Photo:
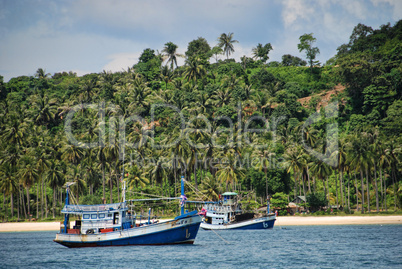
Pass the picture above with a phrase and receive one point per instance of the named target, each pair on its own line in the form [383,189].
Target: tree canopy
[331,133]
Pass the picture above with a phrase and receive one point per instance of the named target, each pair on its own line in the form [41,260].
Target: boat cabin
[94,219]
[229,198]
[223,211]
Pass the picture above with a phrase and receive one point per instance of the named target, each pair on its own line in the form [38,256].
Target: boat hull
[252,224]
[181,231]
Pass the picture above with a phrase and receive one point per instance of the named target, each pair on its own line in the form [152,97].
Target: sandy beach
[281,221]
[337,220]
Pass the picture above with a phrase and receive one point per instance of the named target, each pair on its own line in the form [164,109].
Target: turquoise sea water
[346,246]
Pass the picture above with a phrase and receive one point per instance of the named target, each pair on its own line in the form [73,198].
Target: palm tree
[203,104]
[178,151]
[263,101]
[261,51]
[88,89]
[14,132]
[41,73]
[136,177]
[74,175]
[170,52]
[72,153]
[265,156]
[222,97]
[28,176]
[210,187]
[43,108]
[157,170]
[8,184]
[166,75]
[340,155]
[394,151]
[194,69]
[55,178]
[358,158]
[42,163]
[322,170]
[101,158]
[293,162]
[139,98]
[226,42]
[92,174]
[384,161]
[216,51]
[374,147]
[229,170]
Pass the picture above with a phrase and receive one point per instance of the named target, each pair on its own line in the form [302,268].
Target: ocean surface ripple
[340,246]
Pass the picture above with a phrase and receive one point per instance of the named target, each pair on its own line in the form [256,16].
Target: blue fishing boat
[227,214]
[115,225]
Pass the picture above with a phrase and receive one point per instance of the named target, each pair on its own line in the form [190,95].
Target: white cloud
[396,7]
[358,9]
[119,62]
[91,36]
[294,10]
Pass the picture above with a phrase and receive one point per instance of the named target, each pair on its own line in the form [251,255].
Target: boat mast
[182,196]
[66,216]
[123,181]
[268,204]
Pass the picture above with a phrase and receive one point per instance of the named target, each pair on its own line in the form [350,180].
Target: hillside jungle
[330,132]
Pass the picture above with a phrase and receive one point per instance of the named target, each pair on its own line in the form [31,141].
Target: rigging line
[146,194]
[154,199]
[220,237]
[73,200]
[196,191]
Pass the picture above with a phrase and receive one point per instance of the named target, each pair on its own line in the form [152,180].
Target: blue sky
[89,36]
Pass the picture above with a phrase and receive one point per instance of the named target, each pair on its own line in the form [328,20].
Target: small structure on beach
[297,205]
[299,200]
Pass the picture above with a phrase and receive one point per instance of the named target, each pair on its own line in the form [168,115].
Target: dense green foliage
[224,125]
[316,201]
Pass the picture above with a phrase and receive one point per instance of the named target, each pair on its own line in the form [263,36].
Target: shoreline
[281,221]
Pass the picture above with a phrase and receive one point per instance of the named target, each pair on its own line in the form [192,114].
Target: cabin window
[102,215]
[85,216]
[94,216]
[116,218]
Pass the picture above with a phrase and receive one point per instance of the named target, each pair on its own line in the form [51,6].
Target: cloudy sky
[87,36]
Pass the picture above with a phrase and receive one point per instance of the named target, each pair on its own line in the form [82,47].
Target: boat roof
[229,193]
[77,209]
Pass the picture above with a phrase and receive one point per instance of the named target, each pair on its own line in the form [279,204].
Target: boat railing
[219,208]
[98,224]
[91,208]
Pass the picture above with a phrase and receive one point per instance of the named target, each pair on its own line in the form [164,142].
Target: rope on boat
[196,192]
[153,199]
[147,194]
[221,237]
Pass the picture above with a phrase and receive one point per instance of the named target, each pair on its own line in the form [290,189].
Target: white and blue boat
[227,214]
[113,225]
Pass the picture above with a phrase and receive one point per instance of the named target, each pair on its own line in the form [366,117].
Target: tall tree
[55,178]
[194,69]
[28,175]
[226,42]
[261,52]
[170,52]
[8,184]
[306,44]
[198,47]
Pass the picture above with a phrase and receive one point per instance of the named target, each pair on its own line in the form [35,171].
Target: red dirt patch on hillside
[325,97]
